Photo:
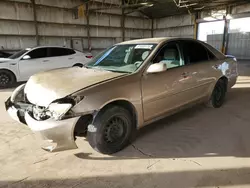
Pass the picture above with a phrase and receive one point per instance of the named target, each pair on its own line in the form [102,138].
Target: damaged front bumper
[57,134]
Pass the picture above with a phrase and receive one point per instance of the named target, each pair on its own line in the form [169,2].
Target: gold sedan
[124,88]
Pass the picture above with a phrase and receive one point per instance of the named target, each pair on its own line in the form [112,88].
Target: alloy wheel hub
[4,79]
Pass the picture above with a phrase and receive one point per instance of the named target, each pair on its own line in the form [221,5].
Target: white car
[23,64]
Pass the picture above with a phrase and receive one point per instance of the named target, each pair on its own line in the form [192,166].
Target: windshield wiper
[103,69]
[118,71]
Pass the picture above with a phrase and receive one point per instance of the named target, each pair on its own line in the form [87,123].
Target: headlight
[59,110]
[18,94]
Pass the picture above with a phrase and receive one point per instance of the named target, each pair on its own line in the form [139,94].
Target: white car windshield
[18,54]
[122,58]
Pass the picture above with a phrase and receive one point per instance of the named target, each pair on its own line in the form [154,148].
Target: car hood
[45,87]
[4,59]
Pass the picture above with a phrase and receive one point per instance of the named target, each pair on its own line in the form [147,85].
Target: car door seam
[166,94]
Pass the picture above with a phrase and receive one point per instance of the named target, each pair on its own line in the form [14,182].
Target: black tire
[78,65]
[218,95]
[112,130]
[7,78]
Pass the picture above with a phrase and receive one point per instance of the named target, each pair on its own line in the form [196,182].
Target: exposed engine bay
[58,109]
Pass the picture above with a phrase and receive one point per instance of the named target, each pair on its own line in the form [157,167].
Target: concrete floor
[200,147]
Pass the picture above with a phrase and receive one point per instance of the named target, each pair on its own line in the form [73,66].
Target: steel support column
[123,21]
[87,26]
[35,21]
[225,32]
[152,27]
[195,17]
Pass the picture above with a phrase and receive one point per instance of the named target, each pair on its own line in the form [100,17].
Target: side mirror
[157,67]
[26,57]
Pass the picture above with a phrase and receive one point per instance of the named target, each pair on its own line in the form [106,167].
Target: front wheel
[111,130]
[218,96]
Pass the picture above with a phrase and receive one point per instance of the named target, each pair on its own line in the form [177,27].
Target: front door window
[170,56]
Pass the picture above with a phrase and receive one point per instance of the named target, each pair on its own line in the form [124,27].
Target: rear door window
[194,52]
[54,52]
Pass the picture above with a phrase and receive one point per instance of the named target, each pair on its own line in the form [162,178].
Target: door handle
[216,66]
[194,73]
[70,58]
[45,60]
[185,74]
[13,64]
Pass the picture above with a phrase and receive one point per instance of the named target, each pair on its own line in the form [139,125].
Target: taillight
[89,56]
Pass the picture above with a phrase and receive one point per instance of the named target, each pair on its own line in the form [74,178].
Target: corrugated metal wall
[16,25]
[137,28]
[238,43]
[212,33]
[57,25]
[239,33]
[174,26]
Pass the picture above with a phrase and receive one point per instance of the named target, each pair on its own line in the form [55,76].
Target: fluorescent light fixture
[145,3]
[209,19]
[148,4]
[229,17]
[199,8]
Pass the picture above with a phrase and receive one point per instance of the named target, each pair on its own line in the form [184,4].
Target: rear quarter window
[70,51]
[214,51]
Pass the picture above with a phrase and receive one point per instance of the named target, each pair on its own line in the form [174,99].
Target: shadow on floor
[195,132]
[199,178]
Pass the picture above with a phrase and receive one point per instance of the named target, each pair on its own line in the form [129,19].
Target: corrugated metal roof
[163,8]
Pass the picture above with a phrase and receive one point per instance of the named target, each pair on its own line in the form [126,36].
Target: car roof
[157,40]
[36,47]
[148,40]
[51,47]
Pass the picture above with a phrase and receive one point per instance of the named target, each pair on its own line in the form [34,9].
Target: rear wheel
[7,78]
[218,95]
[111,130]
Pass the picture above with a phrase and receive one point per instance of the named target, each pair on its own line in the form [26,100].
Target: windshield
[18,54]
[122,58]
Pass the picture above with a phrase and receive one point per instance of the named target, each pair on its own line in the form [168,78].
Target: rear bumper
[232,81]
[57,135]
